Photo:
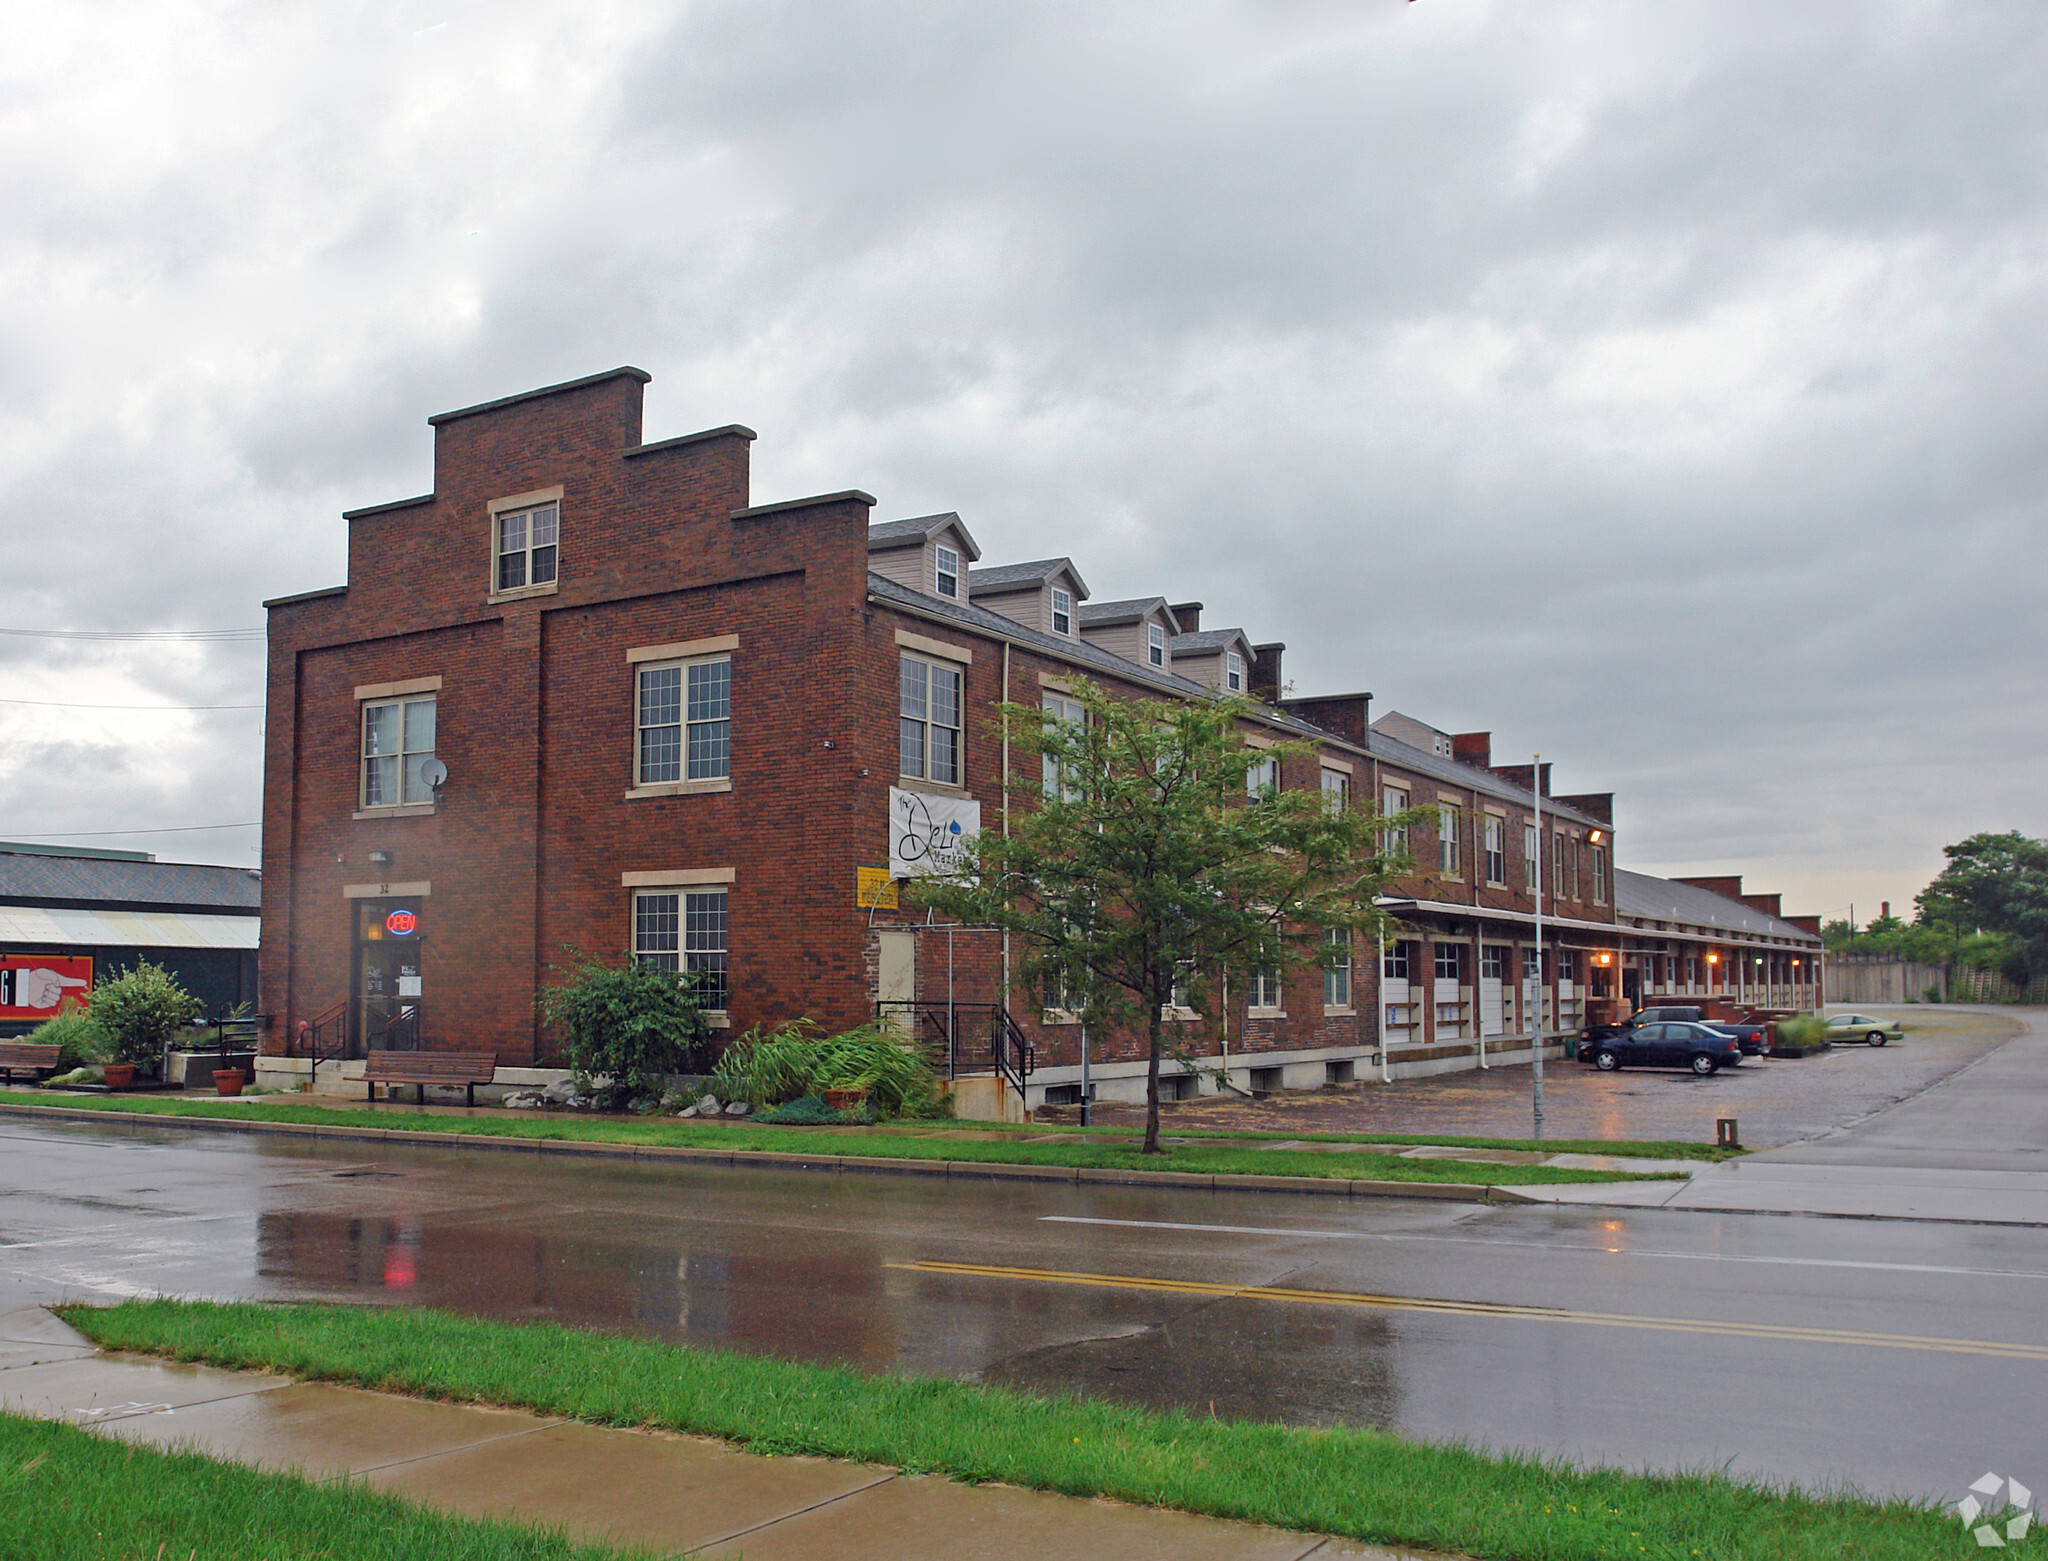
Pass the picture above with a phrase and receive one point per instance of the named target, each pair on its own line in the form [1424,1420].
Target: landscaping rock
[687,1111]
[525,1100]
[559,1094]
[707,1105]
[737,1108]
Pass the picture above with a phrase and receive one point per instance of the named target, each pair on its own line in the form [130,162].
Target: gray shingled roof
[1039,570]
[903,533]
[95,880]
[1456,772]
[1638,896]
[1208,639]
[1128,610]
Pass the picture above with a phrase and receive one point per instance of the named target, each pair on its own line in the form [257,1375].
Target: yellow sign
[874,889]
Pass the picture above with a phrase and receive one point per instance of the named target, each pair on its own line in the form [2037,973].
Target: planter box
[1802,1051]
[194,1070]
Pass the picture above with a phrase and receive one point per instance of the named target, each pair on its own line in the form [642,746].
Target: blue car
[1667,1044]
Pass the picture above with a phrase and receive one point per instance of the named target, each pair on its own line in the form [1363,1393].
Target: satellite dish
[434,773]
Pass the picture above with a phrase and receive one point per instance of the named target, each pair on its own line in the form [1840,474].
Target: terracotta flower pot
[119,1075]
[228,1081]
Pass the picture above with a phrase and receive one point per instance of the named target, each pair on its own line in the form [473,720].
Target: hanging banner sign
[35,986]
[927,833]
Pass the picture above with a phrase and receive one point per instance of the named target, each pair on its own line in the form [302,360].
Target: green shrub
[1803,1030]
[633,1024]
[791,1063]
[141,1010]
[80,1039]
[808,1111]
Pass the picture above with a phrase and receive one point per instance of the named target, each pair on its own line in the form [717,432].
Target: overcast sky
[1658,385]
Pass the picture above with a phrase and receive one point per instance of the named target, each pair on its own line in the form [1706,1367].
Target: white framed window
[1060,782]
[1449,963]
[1395,961]
[526,546]
[1180,998]
[1336,791]
[1337,969]
[1571,862]
[1496,849]
[1447,839]
[1531,971]
[686,930]
[1393,841]
[1155,645]
[398,740]
[929,728]
[683,721]
[946,572]
[1599,875]
[1062,612]
[1530,859]
[1557,865]
[1265,991]
[1493,961]
[1262,779]
[1233,672]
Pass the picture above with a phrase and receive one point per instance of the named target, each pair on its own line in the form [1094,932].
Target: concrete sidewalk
[1763,1186]
[682,1494]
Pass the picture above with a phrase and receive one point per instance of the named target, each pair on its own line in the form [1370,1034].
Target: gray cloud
[1655,385]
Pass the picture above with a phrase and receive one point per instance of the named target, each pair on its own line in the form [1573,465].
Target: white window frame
[410,790]
[1336,791]
[934,669]
[1397,960]
[1449,848]
[1233,672]
[1496,835]
[536,572]
[713,772]
[1495,954]
[1155,645]
[705,947]
[1063,613]
[1262,776]
[1394,839]
[945,567]
[1531,845]
[1263,994]
[1599,871]
[1337,972]
[1066,710]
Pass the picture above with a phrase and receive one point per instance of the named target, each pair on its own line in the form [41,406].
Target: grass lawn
[1361,1483]
[70,1495]
[1232,1155]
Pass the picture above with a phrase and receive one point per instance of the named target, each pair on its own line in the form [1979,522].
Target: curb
[784,1160]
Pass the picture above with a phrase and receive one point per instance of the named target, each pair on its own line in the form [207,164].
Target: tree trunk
[1152,1084]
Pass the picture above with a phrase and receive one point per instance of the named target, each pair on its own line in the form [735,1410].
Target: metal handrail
[944,1026]
[309,1030]
[406,1019]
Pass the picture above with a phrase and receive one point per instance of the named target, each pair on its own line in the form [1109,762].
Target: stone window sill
[398,810]
[521,593]
[695,788]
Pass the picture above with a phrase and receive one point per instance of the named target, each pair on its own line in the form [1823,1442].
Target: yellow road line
[1403,1303]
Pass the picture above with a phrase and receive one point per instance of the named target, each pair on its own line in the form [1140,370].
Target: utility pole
[1536,1056]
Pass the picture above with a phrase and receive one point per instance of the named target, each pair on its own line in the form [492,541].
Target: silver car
[1863,1027]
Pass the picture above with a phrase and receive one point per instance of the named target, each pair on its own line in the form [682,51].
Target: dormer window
[947,572]
[1062,612]
[1155,645]
[1233,672]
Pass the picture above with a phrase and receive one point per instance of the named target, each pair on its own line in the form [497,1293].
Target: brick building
[585,695]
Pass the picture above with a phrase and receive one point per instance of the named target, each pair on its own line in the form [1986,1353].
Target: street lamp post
[1536,1055]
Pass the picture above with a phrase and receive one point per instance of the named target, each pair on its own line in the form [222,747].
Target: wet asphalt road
[1687,1339]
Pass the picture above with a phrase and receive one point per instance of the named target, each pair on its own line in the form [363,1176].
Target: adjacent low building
[70,916]
[587,697]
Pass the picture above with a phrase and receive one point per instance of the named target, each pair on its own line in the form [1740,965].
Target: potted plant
[228,1081]
[141,1010]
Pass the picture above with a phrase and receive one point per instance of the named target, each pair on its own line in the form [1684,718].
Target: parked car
[1863,1027]
[1665,1044]
[1749,1032]
[1679,1013]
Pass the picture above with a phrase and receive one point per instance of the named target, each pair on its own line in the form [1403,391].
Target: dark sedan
[1670,1045]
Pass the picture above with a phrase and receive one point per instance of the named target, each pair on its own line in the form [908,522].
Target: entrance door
[896,979]
[386,1011]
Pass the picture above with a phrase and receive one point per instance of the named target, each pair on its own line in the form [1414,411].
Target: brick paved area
[1776,1102]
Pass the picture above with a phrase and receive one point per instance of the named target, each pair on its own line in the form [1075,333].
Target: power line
[65,704]
[175,829]
[138,634]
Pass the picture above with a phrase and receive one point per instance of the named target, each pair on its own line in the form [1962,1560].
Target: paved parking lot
[1776,1101]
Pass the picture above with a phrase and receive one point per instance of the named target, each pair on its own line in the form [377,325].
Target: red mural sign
[35,986]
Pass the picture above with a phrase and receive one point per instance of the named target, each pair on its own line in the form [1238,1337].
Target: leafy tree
[140,1010]
[1998,883]
[1140,873]
[633,1023]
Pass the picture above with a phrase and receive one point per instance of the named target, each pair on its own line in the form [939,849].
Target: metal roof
[85,879]
[901,533]
[1639,897]
[21,924]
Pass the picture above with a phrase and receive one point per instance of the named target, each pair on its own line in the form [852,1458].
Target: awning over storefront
[1606,929]
[28,924]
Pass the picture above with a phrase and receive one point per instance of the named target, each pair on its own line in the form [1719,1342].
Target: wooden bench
[21,1057]
[420,1069]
